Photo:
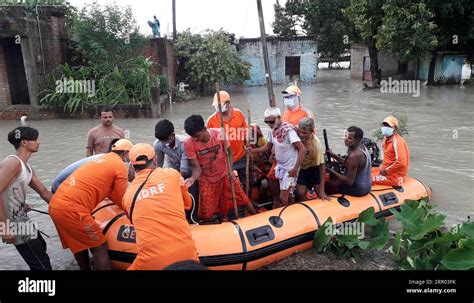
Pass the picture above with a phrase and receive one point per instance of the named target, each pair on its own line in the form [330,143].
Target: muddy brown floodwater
[441,141]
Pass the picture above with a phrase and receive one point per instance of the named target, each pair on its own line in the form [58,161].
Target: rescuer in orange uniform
[71,206]
[155,203]
[396,159]
[236,131]
[294,110]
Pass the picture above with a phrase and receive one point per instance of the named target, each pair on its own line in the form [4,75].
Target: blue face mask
[387,131]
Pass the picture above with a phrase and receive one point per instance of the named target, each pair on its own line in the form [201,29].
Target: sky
[236,16]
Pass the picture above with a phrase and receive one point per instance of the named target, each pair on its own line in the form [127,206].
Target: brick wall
[41,56]
[54,37]
[15,72]
[50,49]
[14,112]
[161,52]
[172,69]
[4,86]
[152,51]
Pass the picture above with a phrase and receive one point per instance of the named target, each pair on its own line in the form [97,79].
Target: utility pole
[174,20]
[268,74]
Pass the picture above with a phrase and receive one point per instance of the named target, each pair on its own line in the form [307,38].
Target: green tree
[284,25]
[321,19]
[455,29]
[211,59]
[187,44]
[107,48]
[367,16]
[106,34]
[324,19]
[406,32]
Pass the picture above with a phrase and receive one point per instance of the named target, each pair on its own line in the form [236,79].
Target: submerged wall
[32,44]
[250,50]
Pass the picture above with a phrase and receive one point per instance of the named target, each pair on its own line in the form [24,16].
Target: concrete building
[448,68]
[290,60]
[360,65]
[32,44]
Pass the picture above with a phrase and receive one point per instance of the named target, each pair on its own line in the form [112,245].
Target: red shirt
[210,155]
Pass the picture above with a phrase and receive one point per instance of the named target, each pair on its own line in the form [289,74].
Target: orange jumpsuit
[236,130]
[71,206]
[396,162]
[163,234]
[294,117]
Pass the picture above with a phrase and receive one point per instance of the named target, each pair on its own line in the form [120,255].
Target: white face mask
[225,107]
[291,102]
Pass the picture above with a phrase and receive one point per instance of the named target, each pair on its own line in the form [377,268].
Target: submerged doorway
[292,68]
[15,71]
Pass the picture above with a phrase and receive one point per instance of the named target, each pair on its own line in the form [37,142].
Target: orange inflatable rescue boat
[261,239]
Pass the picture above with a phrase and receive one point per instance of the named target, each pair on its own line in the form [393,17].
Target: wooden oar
[326,143]
[226,150]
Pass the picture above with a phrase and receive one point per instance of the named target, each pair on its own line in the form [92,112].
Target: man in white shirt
[289,153]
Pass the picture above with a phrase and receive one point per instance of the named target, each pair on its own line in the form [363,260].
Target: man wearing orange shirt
[236,129]
[294,111]
[72,204]
[396,158]
[155,203]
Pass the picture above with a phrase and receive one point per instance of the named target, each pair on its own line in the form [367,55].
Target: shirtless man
[356,180]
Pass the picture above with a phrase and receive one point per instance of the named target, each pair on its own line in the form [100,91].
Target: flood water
[441,140]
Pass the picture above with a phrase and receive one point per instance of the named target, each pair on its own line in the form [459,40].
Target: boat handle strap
[136,196]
